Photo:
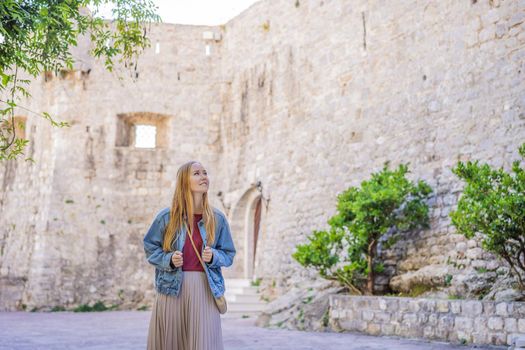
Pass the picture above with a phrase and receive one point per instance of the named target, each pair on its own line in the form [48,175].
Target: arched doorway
[246,225]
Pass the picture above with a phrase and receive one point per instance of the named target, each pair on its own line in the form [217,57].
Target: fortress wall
[307,97]
[324,92]
[81,241]
[24,202]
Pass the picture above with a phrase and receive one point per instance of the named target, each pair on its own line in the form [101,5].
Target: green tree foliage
[387,203]
[36,36]
[493,205]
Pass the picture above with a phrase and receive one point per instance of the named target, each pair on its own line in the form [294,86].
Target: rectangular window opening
[145,136]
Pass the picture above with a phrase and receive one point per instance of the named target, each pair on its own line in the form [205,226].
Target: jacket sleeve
[153,245]
[224,250]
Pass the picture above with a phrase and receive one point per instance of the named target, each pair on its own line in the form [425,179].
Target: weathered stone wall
[323,92]
[72,223]
[307,97]
[26,189]
[458,321]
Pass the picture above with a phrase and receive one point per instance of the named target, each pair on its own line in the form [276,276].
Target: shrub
[493,205]
[387,203]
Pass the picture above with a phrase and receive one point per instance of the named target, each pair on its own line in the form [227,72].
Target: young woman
[184,315]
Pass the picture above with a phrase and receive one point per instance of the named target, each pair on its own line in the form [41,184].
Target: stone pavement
[128,330]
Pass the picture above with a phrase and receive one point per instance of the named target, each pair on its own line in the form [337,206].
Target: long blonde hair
[182,209]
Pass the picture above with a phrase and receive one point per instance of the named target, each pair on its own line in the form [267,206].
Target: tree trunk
[371,276]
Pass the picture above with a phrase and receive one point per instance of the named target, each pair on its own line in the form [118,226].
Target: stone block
[495,323]
[489,308]
[442,306]
[373,329]
[429,332]
[413,305]
[373,304]
[455,307]
[403,304]
[427,305]
[392,304]
[368,315]
[501,309]
[479,337]
[521,325]
[433,319]
[518,310]
[463,323]
[410,318]
[442,332]
[382,317]
[511,325]
[388,329]
[422,318]
[446,322]
[360,303]
[480,324]
[497,338]
[472,308]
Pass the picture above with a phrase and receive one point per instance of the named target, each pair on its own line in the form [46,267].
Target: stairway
[243,299]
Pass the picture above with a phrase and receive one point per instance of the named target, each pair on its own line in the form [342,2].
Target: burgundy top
[190,262]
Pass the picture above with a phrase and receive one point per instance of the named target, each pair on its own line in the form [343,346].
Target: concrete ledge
[456,321]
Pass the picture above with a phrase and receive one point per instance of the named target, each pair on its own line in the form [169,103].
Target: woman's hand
[207,254]
[177,258]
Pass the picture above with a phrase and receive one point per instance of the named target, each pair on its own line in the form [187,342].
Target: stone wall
[305,98]
[72,223]
[457,321]
[322,93]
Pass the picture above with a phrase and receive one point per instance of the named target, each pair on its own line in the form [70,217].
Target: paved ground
[128,330]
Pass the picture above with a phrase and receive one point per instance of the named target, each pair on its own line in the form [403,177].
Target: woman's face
[199,181]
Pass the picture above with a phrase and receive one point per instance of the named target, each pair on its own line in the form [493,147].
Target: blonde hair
[182,209]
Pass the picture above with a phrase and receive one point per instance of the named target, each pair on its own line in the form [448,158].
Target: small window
[145,136]
[141,130]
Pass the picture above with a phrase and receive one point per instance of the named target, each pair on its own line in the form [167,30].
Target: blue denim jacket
[167,279]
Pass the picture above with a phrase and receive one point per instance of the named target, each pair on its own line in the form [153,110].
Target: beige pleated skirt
[190,321]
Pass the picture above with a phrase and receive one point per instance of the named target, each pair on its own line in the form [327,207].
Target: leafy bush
[387,203]
[493,205]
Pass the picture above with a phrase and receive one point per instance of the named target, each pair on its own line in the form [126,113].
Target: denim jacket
[168,280]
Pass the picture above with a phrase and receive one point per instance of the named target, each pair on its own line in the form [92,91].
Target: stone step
[236,282]
[244,298]
[242,290]
[245,307]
